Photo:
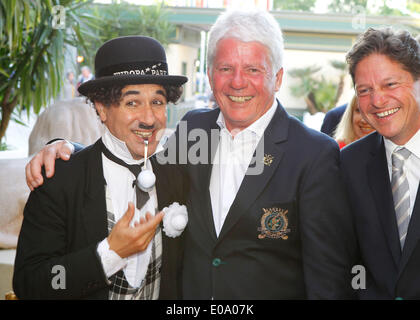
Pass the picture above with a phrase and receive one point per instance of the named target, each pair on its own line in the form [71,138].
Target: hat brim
[108,81]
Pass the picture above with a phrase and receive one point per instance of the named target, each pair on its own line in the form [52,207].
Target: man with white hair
[285,232]
[268,215]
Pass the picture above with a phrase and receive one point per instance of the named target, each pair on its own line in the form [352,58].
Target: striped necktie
[401,192]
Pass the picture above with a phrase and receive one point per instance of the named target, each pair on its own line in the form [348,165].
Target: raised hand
[126,240]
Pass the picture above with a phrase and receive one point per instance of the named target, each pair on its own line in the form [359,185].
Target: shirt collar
[413,145]
[258,127]
[120,150]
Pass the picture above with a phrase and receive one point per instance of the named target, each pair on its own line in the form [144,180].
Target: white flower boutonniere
[175,219]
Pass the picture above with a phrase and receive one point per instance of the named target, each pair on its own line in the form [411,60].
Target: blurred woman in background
[352,126]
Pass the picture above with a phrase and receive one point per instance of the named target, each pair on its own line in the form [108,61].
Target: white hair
[248,26]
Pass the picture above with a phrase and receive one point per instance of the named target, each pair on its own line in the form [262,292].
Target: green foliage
[325,93]
[16,117]
[3,146]
[124,19]
[413,6]
[346,6]
[295,5]
[380,7]
[319,93]
[32,53]
[338,64]
[32,50]
[385,10]
[307,81]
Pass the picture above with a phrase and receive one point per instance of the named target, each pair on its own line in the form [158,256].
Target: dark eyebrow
[130,92]
[135,92]
[161,92]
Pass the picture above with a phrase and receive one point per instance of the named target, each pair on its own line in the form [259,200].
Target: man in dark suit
[78,239]
[382,169]
[331,119]
[268,215]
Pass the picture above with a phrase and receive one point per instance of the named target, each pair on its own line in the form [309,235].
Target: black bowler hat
[130,60]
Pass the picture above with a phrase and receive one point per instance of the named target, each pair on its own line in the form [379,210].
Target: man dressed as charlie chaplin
[92,221]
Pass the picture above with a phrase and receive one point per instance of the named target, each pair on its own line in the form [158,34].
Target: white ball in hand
[179,222]
[146,180]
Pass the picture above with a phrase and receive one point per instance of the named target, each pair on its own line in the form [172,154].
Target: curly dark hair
[398,45]
[112,95]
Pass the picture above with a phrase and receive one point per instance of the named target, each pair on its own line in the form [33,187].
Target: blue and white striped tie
[401,192]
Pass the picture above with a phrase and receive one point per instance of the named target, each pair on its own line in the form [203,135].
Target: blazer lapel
[162,194]
[205,170]
[378,179]
[413,234]
[253,184]
[94,207]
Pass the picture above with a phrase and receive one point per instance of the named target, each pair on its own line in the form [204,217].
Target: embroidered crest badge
[274,224]
[268,159]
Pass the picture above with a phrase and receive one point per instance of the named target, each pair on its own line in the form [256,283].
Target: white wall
[176,54]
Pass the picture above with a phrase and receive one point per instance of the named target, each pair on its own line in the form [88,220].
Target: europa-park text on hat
[131,60]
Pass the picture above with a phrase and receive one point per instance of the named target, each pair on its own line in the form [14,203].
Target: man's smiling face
[388,97]
[242,81]
[139,115]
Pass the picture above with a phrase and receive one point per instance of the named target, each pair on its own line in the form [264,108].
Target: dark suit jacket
[390,272]
[331,119]
[315,259]
[65,219]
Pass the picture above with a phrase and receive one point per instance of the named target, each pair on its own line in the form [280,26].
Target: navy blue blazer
[390,272]
[264,252]
[332,118]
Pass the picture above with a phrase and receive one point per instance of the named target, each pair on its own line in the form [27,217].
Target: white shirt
[119,183]
[231,161]
[411,165]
